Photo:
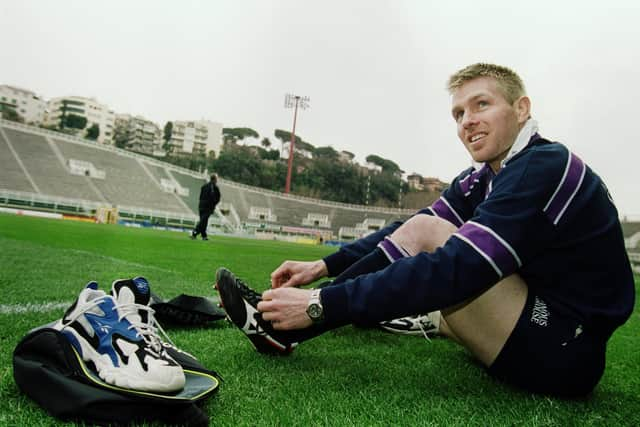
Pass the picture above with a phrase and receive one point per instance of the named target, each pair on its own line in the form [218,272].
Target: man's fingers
[280,277]
[265,306]
[269,316]
[267,295]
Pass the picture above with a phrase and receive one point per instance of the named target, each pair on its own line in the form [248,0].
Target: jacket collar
[528,133]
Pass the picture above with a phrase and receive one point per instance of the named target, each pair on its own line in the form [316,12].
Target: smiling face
[487,123]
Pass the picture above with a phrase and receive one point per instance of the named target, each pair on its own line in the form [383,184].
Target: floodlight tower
[293,101]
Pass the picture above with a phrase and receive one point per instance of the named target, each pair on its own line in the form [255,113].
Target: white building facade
[89,108]
[195,137]
[138,134]
[24,102]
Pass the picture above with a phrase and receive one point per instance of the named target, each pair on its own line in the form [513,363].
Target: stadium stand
[36,154]
[127,181]
[12,176]
[258,213]
[39,175]
[316,220]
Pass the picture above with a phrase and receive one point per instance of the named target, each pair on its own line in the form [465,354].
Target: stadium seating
[12,177]
[127,182]
[314,219]
[37,154]
[147,188]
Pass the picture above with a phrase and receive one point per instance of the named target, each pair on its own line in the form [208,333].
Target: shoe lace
[423,323]
[254,298]
[150,330]
[251,295]
[87,307]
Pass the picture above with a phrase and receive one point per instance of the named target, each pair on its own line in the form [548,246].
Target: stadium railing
[79,207]
[21,199]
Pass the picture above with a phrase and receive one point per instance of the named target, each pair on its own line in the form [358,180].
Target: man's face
[487,124]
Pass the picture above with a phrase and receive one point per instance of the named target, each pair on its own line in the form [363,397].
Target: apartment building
[24,102]
[195,137]
[136,133]
[420,183]
[89,108]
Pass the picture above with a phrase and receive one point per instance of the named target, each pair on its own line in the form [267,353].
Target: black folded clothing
[186,310]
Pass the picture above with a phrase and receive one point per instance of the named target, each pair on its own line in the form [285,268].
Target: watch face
[314,311]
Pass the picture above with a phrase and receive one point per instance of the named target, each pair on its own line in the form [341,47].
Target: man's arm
[451,206]
[507,231]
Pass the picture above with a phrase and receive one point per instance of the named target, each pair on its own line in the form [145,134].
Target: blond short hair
[509,83]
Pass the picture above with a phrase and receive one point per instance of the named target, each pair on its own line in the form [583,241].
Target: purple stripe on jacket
[470,180]
[390,249]
[441,209]
[566,190]
[491,247]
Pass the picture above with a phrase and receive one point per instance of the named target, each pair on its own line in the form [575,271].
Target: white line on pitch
[32,308]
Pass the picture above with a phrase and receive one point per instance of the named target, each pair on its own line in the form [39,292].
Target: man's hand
[286,308]
[298,273]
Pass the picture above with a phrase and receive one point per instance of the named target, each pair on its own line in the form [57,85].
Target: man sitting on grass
[523,255]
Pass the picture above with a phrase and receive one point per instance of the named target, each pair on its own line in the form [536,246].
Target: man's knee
[423,233]
[484,323]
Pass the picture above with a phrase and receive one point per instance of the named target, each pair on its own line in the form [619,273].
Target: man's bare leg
[481,324]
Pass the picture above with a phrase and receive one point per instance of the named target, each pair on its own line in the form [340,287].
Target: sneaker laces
[148,330]
[421,324]
[251,295]
[85,308]
[254,298]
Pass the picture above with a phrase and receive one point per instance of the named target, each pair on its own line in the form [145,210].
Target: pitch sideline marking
[33,307]
[110,258]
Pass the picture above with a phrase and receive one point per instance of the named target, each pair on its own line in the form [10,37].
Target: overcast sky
[375,70]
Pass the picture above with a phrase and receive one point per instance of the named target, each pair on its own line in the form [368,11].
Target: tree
[285,137]
[385,189]
[120,142]
[268,154]
[74,121]
[239,164]
[63,114]
[386,165]
[238,134]
[349,154]
[168,130]
[93,132]
[11,114]
[326,152]
[265,143]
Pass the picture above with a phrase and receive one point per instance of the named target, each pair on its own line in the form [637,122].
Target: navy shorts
[550,353]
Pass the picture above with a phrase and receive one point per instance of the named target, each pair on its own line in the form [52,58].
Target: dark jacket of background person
[209,197]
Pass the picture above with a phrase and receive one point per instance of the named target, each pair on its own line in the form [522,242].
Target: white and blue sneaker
[118,334]
[425,325]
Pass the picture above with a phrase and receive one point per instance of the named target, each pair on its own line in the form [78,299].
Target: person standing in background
[209,198]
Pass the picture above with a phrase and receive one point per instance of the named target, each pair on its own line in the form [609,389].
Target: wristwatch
[314,308]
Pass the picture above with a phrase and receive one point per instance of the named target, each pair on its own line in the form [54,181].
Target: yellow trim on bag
[91,375]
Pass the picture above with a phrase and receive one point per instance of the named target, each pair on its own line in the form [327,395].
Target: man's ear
[523,108]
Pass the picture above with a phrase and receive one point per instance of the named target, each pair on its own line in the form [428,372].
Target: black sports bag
[49,370]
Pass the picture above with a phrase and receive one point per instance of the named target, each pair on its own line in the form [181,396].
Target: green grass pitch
[349,376]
